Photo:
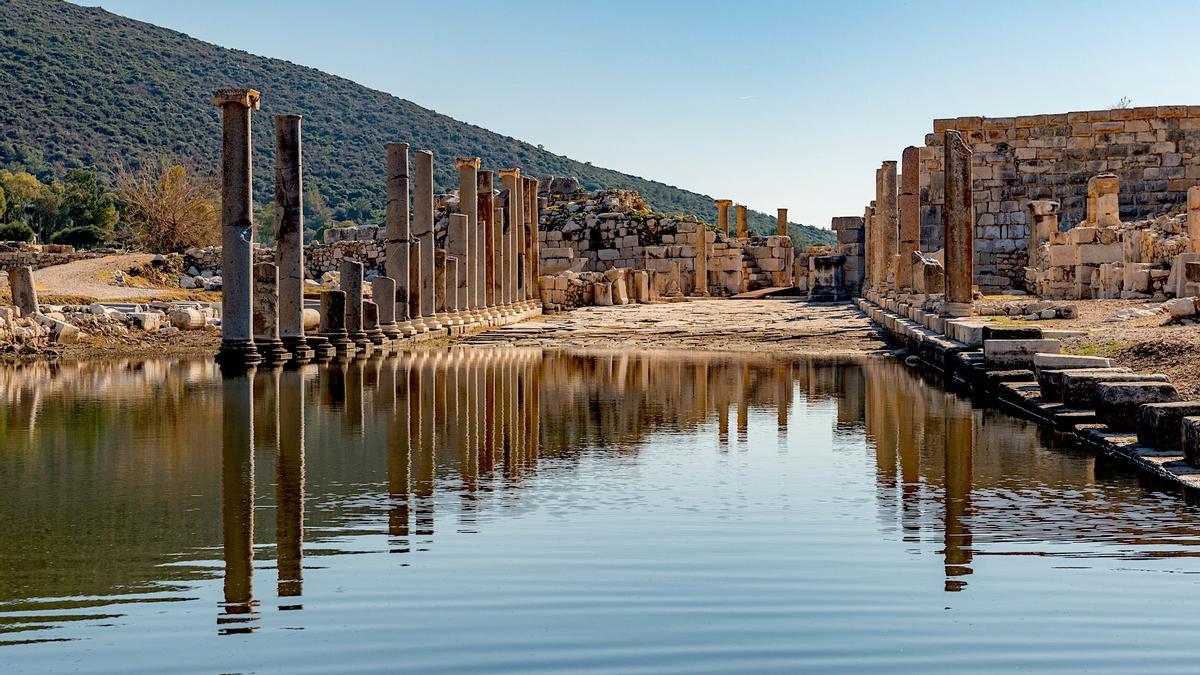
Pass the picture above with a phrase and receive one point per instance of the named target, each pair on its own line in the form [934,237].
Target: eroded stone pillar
[458,246]
[237,227]
[1193,219]
[422,231]
[24,295]
[743,228]
[1045,223]
[885,211]
[723,215]
[488,230]
[700,264]
[530,191]
[289,237]
[266,314]
[910,217]
[468,205]
[870,242]
[398,240]
[352,284]
[333,322]
[1104,208]
[958,223]
[510,195]
[781,221]
[522,264]
[501,254]
[383,289]
[370,320]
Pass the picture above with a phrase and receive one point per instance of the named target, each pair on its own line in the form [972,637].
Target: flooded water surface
[520,510]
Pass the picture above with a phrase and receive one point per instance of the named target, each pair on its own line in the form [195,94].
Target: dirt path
[737,325]
[83,278]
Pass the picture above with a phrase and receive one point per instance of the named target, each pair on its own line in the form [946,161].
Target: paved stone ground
[727,325]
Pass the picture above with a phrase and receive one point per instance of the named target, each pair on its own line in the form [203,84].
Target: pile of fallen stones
[1035,310]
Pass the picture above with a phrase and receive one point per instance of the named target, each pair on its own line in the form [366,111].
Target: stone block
[1160,425]
[1096,254]
[603,293]
[147,321]
[1191,440]
[1117,403]
[1009,353]
[1079,387]
[1067,362]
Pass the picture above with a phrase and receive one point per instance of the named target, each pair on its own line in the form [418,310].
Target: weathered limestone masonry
[723,215]
[1153,151]
[743,229]
[38,256]
[1135,418]
[851,246]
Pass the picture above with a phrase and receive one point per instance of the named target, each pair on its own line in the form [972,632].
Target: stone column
[383,289]
[352,284]
[885,211]
[958,223]
[289,237]
[24,295]
[458,245]
[1104,208]
[869,244]
[468,204]
[333,322]
[397,239]
[723,215]
[422,231]
[266,314]
[488,229]
[781,222]
[1193,219]
[498,217]
[237,227]
[530,190]
[512,207]
[743,228]
[370,320]
[522,265]
[910,217]
[1045,223]
[700,264]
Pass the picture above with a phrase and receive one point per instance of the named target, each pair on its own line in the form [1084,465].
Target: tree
[21,189]
[170,208]
[87,213]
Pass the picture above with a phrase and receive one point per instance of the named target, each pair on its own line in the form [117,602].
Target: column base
[300,350]
[341,343]
[958,309]
[362,341]
[431,323]
[322,349]
[377,337]
[272,350]
[235,354]
[391,331]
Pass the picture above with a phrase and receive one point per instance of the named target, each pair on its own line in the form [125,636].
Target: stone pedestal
[1045,223]
[825,271]
[909,205]
[237,228]
[333,322]
[397,238]
[289,237]
[371,324]
[743,227]
[383,289]
[723,216]
[266,315]
[24,295]
[1104,208]
[422,232]
[958,222]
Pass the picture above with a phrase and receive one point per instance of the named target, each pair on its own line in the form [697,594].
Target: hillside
[87,88]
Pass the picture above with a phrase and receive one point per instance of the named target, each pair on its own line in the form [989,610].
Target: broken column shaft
[289,238]
[422,231]
[266,314]
[958,223]
[398,239]
[910,217]
[723,215]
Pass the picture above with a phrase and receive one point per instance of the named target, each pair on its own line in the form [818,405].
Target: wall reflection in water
[99,454]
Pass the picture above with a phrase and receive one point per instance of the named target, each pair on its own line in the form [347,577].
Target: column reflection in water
[424,465]
[289,485]
[238,614]
[960,450]
[394,389]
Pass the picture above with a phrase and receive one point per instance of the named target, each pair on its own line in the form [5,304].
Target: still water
[520,510]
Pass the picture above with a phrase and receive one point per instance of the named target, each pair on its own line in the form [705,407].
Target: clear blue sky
[769,103]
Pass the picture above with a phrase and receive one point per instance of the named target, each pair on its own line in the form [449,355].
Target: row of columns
[893,226]
[485,276]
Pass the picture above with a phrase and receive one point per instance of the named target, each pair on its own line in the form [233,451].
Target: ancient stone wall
[39,256]
[1155,151]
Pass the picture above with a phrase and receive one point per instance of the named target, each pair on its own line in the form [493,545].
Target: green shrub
[15,232]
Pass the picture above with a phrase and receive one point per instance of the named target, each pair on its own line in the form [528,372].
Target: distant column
[289,237]
[530,192]
[1193,219]
[958,223]
[512,208]
[352,284]
[869,244]
[885,210]
[397,238]
[743,228]
[468,205]
[237,227]
[458,245]
[383,289]
[700,265]
[522,264]
[781,222]
[501,254]
[489,230]
[910,217]
[723,215]
[422,231]
[266,314]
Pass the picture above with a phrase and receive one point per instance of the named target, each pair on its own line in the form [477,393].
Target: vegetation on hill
[85,88]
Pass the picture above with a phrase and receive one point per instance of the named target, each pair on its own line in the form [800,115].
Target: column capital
[723,202]
[467,162]
[249,98]
[510,173]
